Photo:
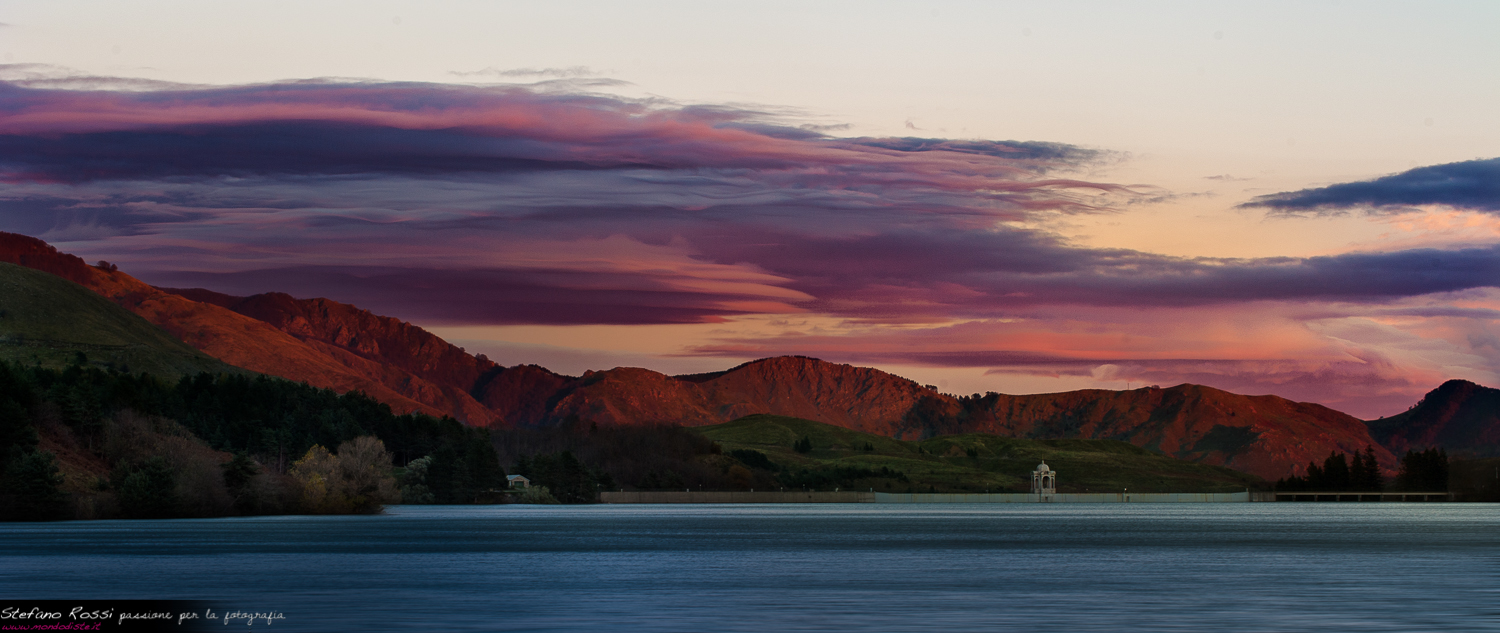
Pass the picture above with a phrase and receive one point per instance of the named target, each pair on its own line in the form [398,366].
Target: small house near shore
[517,481]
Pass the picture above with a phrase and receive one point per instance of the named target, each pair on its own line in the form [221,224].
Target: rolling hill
[973,462]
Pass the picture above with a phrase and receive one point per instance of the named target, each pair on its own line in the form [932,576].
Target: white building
[1043,480]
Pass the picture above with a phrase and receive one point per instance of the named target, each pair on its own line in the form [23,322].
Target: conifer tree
[1359,475]
[1374,481]
[1336,472]
[31,483]
[1315,479]
[149,491]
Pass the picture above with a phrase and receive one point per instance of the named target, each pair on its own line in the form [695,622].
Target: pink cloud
[465,205]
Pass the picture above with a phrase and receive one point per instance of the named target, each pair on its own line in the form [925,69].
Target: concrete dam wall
[887,497]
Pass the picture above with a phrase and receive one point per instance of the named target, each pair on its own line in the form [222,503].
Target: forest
[224,445]
[218,445]
[1421,471]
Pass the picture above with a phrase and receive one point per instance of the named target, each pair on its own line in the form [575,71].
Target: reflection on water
[1229,567]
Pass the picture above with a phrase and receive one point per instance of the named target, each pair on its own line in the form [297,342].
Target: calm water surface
[1065,567]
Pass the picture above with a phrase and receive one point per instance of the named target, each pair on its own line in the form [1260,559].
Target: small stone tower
[1043,480]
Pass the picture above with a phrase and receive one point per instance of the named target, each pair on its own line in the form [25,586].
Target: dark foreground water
[1076,567]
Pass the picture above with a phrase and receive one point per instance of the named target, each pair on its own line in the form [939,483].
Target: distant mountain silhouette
[1459,416]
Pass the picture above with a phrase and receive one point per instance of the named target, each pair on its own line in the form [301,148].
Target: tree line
[579,457]
[155,436]
[1420,471]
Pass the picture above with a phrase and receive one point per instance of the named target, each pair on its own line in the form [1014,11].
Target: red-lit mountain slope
[399,355]
[237,339]
[853,397]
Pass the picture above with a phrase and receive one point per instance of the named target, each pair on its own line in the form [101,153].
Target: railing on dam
[662,496]
[885,497]
[1011,497]
[1364,496]
[1114,497]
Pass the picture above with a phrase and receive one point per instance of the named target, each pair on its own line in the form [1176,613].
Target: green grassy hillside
[48,320]
[960,463]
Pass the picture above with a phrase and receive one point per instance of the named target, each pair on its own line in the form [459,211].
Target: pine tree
[1336,471]
[1358,472]
[149,491]
[1374,481]
[238,473]
[1426,471]
[32,482]
[1315,479]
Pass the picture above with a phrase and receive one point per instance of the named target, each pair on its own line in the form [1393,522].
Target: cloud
[310,176]
[563,73]
[550,205]
[497,296]
[1473,185]
[462,183]
[328,128]
[900,275]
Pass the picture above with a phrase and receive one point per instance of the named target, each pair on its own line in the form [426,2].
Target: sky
[1300,198]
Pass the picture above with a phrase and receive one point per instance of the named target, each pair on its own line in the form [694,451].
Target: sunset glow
[1281,233]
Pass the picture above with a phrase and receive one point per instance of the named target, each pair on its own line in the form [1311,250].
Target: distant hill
[1459,416]
[972,462]
[859,398]
[48,320]
[1265,435]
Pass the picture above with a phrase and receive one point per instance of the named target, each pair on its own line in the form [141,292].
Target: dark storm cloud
[976,274]
[437,296]
[327,128]
[1473,185]
[518,205]
[1053,153]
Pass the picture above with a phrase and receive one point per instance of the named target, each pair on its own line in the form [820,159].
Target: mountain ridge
[339,346]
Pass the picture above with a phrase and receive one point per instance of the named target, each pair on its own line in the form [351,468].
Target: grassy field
[48,320]
[849,459]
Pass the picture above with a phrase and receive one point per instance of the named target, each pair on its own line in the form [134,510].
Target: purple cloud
[463,204]
[1473,185]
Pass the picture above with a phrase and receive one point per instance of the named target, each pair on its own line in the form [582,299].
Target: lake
[800,567]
